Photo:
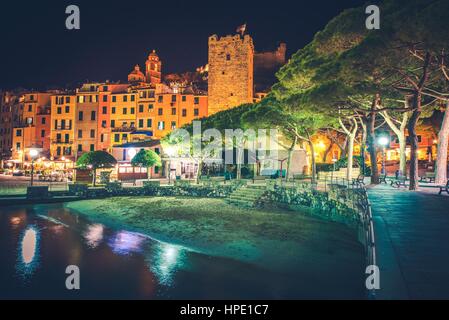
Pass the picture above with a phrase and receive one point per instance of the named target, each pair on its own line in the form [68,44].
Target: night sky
[38,52]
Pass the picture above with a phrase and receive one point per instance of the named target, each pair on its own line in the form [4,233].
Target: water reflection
[94,235]
[28,251]
[125,243]
[165,261]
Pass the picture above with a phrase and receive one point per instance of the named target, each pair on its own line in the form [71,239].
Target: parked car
[18,173]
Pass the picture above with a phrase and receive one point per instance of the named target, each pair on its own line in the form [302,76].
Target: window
[125,137]
[93,116]
[156,170]
[30,108]
[141,108]
[43,120]
[114,98]
[92,133]
[80,116]
[173,125]
[133,110]
[92,147]
[113,110]
[42,133]
[173,98]
[133,98]
[140,123]
[173,111]
[63,124]
[196,100]
[161,125]
[67,138]
[56,124]
[67,109]
[125,98]
[160,111]
[58,151]
[105,98]
[67,99]
[228,57]
[184,112]
[58,137]
[103,124]
[149,123]
[157,150]
[80,148]
[80,134]
[59,110]
[125,110]
[18,146]
[160,99]
[105,110]
[196,112]
[18,133]
[150,107]
[112,123]
[102,138]
[151,94]
[184,98]
[117,137]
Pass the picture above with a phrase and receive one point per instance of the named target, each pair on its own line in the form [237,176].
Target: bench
[428,177]
[383,178]
[399,182]
[444,188]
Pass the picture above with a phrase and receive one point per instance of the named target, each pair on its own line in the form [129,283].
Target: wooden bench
[428,177]
[444,188]
[399,182]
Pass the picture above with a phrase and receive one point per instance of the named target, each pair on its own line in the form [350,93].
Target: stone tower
[231,72]
[153,68]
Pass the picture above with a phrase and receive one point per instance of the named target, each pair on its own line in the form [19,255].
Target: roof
[140,144]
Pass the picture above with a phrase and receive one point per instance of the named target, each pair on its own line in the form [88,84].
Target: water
[38,243]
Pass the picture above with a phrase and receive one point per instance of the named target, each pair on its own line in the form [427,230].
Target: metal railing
[359,201]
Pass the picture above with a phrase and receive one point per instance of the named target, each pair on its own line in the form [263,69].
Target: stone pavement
[412,239]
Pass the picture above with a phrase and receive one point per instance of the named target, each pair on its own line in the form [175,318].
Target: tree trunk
[289,159]
[149,173]
[312,152]
[344,149]
[402,154]
[363,147]
[372,144]
[350,156]
[94,177]
[443,138]
[326,152]
[414,141]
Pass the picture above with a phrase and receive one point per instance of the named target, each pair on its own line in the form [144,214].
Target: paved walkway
[412,237]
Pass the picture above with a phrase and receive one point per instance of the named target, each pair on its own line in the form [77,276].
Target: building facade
[231,72]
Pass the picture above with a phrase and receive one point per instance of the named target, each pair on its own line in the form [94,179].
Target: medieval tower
[231,72]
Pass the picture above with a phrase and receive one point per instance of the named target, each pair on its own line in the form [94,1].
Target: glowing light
[34,153]
[15,220]
[383,141]
[94,235]
[166,261]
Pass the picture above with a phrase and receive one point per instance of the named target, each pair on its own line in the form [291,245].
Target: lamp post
[33,154]
[383,141]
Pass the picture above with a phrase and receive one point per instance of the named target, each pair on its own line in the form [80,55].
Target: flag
[241,29]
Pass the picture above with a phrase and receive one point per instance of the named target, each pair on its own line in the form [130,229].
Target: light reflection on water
[165,261]
[94,235]
[28,259]
[125,243]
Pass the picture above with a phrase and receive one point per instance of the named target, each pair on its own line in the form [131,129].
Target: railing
[62,141]
[358,196]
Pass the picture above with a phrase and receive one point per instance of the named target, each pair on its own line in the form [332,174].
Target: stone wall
[231,72]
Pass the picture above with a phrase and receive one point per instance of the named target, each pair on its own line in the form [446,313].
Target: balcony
[62,141]
[124,129]
[60,128]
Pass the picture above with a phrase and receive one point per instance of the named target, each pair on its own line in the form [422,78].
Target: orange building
[62,132]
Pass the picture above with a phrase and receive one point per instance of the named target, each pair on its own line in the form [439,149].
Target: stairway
[246,196]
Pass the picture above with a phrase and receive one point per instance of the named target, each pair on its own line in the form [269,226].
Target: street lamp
[33,154]
[383,141]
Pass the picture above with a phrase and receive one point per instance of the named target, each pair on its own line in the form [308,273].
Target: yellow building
[62,137]
[123,116]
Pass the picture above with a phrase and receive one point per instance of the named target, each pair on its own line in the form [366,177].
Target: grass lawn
[280,240]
